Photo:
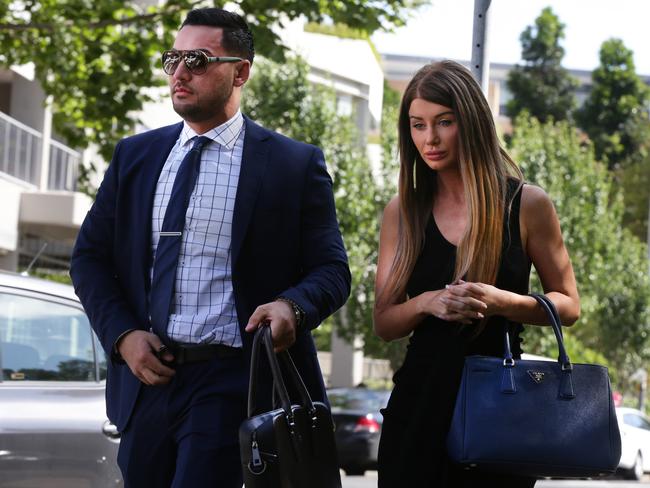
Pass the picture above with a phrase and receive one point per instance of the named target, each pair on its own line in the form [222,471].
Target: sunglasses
[196,61]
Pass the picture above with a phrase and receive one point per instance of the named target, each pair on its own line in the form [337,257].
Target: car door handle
[110,430]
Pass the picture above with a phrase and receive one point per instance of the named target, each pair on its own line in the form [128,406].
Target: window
[367,401]
[636,421]
[42,340]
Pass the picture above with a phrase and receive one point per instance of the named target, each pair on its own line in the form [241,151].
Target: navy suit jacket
[285,241]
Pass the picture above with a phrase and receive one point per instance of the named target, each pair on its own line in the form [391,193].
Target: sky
[443,29]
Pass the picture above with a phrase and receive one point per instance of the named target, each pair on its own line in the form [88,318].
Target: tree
[617,97]
[609,262]
[542,86]
[393,351]
[633,176]
[94,57]
[280,96]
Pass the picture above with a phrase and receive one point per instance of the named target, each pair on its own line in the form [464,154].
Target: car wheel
[354,470]
[636,471]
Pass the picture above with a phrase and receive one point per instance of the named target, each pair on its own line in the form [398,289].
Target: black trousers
[185,434]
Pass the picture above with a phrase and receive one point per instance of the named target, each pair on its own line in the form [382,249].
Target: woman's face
[434,130]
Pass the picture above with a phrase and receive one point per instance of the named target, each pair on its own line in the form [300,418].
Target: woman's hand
[452,305]
[495,300]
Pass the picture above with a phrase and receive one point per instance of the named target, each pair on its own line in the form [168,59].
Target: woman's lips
[435,155]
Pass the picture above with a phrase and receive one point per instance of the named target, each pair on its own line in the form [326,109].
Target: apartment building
[40,209]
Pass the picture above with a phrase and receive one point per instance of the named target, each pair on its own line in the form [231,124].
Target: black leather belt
[187,353]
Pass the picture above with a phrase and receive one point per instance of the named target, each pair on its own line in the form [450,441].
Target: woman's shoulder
[537,211]
[534,198]
[390,219]
[392,208]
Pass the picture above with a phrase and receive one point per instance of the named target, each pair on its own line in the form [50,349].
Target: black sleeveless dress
[416,421]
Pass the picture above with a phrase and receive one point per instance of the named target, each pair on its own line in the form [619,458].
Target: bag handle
[566,385]
[263,338]
[554,317]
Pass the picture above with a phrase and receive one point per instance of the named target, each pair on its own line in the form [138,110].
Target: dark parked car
[358,426]
[53,426]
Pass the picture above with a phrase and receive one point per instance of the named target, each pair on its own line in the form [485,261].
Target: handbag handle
[554,317]
[263,337]
[566,385]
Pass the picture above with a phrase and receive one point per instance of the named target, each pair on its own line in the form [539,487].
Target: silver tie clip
[171,234]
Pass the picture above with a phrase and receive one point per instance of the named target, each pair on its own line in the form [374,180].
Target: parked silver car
[53,426]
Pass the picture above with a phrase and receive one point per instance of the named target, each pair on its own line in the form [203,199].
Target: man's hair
[237,36]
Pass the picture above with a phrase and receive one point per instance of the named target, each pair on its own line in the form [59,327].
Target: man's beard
[205,109]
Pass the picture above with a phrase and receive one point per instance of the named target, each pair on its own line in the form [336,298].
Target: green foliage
[542,86]
[610,264]
[95,56]
[389,143]
[617,101]
[280,97]
[633,176]
[57,277]
[393,351]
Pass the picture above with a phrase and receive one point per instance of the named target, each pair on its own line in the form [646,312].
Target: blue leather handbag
[535,418]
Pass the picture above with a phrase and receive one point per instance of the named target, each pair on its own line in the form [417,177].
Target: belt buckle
[161,351]
[179,355]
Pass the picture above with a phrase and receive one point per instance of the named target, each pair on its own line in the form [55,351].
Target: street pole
[480,53]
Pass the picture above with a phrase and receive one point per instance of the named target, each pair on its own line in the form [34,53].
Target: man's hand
[139,350]
[282,320]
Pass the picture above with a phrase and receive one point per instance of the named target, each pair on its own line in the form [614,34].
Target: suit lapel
[253,166]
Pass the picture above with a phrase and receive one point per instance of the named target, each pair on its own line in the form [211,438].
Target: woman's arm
[542,239]
[396,317]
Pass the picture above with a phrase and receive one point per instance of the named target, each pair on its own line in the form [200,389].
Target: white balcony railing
[64,166]
[21,156]
[20,150]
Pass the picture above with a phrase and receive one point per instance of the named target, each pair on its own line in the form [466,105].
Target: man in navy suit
[259,244]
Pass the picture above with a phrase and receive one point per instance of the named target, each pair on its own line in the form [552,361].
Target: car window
[636,420]
[365,400]
[631,420]
[42,340]
[643,423]
[101,357]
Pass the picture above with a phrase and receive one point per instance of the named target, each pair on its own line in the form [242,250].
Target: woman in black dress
[456,248]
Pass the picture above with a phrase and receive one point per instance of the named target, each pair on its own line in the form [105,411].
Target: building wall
[33,208]
[348,65]
[27,102]
[9,213]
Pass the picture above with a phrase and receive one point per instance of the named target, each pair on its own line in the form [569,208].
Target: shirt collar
[225,134]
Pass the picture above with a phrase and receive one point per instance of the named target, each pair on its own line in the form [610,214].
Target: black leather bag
[535,418]
[292,446]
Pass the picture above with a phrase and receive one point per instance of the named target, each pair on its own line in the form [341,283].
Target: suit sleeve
[92,269]
[325,283]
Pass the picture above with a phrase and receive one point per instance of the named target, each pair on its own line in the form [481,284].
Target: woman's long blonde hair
[484,167]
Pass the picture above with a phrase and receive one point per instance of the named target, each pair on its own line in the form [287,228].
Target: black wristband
[298,312]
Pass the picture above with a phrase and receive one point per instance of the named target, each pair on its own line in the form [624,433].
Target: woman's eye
[445,122]
[417,126]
